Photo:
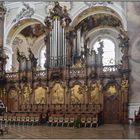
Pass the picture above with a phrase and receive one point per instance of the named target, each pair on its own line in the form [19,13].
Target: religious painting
[26,94]
[40,95]
[57,93]
[77,94]
[13,94]
[94,93]
[13,100]
[111,91]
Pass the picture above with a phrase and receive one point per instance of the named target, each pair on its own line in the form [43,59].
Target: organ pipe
[60,22]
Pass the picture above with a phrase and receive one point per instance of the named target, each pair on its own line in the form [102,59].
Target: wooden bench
[3,130]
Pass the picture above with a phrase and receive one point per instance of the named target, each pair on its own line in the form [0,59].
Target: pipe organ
[59,21]
[74,80]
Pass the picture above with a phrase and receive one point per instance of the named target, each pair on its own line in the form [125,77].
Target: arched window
[42,57]
[108,49]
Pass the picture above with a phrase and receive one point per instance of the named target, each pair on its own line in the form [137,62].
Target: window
[109,51]
[42,57]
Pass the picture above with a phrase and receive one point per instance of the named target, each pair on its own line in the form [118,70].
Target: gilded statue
[124,83]
[32,58]
[20,56]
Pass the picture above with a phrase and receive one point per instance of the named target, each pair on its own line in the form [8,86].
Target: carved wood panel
[112,103]
[13,100]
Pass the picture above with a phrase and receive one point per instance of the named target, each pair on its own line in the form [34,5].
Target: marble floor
[107,131]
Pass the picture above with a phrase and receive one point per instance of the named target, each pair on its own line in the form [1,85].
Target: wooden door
[112,105]
[111,110]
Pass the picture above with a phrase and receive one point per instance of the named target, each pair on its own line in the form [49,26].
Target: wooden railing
[61,108]
[12,76]
[111,68]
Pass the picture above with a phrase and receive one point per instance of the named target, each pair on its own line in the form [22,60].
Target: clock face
[50,5]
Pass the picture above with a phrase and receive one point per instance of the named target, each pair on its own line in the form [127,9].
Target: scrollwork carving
[27,11]
[58,11]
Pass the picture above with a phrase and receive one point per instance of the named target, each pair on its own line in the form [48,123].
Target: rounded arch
[106,33]
[86,11]
[17,27]
[76,83]
[57,81]
[15,31]
[104,30]
[40,84]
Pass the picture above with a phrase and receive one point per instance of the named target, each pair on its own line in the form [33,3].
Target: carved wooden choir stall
[74,82]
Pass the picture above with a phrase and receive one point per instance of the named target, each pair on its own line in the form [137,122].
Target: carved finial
[58,11]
